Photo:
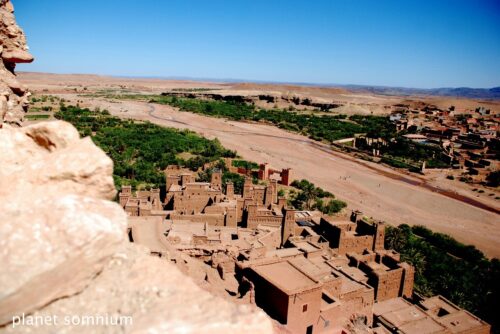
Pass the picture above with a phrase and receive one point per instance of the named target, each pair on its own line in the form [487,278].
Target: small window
[304,308]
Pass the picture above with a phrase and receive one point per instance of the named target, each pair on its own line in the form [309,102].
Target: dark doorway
[309,329]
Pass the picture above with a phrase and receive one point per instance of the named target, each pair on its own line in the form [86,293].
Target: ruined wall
[13,50]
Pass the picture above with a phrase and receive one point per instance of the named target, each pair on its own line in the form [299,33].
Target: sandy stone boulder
[52,155]
[13,50]
[138,293]
[57,227]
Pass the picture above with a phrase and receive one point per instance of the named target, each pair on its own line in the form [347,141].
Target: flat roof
[460,322]
[456,320]
[285,277]
[404,315]
[408,318]
[284,252]
[309,268]
[425,325]
[389,305]
[306,246]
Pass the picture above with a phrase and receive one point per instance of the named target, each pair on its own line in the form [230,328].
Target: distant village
[312,273]
[467,142]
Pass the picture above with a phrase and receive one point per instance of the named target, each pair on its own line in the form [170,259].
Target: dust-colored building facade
[311,273]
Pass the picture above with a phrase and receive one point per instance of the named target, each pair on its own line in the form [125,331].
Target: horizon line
[235,80]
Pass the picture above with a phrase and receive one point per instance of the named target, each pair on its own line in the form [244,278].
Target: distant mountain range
[473,93]
[465,92]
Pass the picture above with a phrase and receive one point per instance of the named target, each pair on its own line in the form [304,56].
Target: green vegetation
[248,165]
[323,127]
[310,197]
[194,89]
[403,148]
[400,153]
[444,266]
[44,98]
[141,150]
[37,116]
[403,153]
[317,127]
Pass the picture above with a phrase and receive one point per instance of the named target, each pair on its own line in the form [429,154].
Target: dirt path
[376,190]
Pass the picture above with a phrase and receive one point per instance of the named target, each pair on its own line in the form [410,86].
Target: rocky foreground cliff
[67,265]
[13,50]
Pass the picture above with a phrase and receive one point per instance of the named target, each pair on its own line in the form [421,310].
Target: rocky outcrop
[146,294]
[13,50]
[57,225]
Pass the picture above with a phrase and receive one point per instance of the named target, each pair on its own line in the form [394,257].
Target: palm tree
[310,193]
[395,238]
[415,258]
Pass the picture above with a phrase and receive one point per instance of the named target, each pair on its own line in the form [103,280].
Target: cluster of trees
[310,197]
[37,116]
[403,153]
[141,150]
[232,110]
[415,152]
[317,127]
[400,153]
[248,165]
[444,266]
[44,98]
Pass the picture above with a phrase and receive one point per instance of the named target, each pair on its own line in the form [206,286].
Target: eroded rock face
[57,225]
[13,50]
[148,295]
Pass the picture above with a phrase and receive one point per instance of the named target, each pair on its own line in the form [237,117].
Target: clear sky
[420,43]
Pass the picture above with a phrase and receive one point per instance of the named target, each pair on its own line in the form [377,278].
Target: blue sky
[422,44]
